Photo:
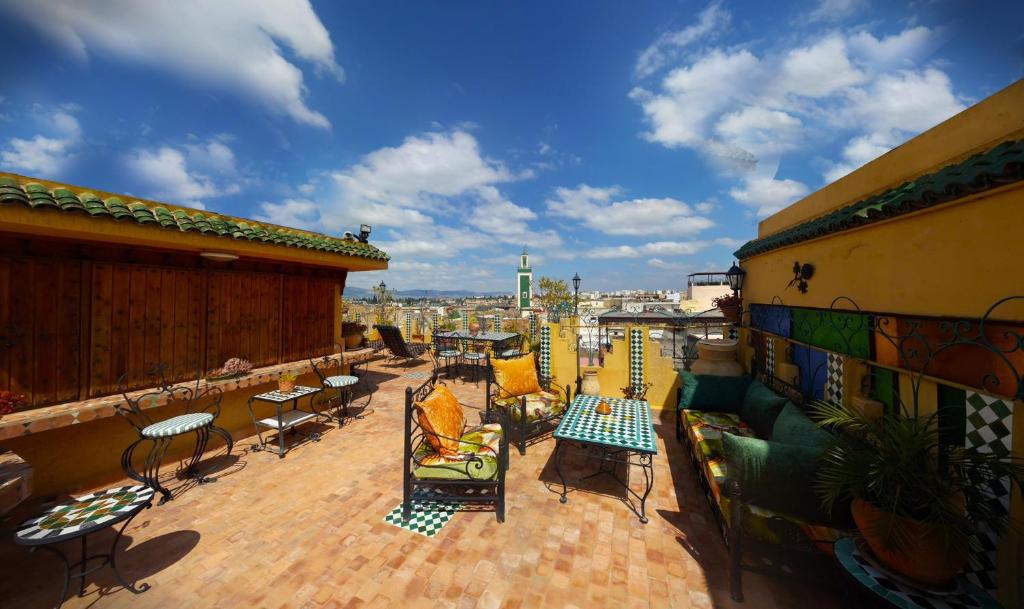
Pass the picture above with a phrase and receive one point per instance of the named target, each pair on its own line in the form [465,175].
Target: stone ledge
[71,413]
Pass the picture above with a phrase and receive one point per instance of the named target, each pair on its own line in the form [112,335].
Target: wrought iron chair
[400,350]
[474,357]
[469,482]
[161,433]
[445,350]
[525,423]
[338,388]
[514,347]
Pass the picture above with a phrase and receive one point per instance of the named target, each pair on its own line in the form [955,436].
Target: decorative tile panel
[770,355]
[636,357]
[497,321]
[408,325]
[465,319]
[834,378]
[433,323]
[533,328]
[989,430]
[545,351]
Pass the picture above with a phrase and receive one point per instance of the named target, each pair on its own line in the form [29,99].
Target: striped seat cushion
[448,354]
[511,353]
[474,355]
[342,380]
[178,425]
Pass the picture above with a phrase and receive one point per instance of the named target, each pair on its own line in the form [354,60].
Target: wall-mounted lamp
[364,232]
[801,273]
[735,275]
[219,256]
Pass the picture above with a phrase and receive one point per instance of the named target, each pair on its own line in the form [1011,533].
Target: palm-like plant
[898,464]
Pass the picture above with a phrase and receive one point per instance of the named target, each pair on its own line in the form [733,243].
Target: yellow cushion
[516,376]
[440,414]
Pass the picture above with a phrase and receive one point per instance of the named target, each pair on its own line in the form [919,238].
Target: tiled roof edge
[34,195]
[999,166]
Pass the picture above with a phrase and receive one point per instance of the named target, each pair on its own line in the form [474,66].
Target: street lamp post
[576,313]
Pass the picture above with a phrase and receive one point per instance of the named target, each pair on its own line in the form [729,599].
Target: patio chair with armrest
[445,351]
[535,405]
[199,421]
[447,459]
[338,388]
[474,356]
[514,347]
[396,345]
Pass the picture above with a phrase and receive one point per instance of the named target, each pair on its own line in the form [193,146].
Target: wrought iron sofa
[530,415]
[476,480]
[761,498]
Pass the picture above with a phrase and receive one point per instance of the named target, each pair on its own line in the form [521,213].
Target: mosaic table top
[487,337]
[278,397]
[84,515]
[628,426]
[968,596]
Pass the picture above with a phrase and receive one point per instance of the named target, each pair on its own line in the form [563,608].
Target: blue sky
[632,142]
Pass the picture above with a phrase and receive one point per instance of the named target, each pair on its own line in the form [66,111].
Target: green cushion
[776,476]
[714,393]
[794,427]
[459,471]
[761,406]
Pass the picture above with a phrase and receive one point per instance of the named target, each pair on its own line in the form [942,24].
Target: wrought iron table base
[608,459]
[108,559]
[150,475]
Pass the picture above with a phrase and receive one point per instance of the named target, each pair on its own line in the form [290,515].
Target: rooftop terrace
[309,531]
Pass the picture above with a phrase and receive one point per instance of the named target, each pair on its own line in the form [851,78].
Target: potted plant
[636,392]
[232,368]
[286,381]
[731,306]
[474,328]
[916,501]
[352,332]
[10,401]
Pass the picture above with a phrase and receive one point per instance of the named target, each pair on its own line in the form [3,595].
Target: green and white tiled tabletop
[628,426]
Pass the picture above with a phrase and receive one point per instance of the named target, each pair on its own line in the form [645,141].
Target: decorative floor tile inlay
[427,517]
[989,430]
[418,375]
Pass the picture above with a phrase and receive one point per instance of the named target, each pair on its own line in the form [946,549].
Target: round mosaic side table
[887,589]
[80,518]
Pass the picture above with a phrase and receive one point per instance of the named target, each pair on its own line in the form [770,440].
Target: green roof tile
[39,196]
[1003,164]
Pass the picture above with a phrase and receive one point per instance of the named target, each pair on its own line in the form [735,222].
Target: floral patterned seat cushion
[483,442]
[539,405]
[705,432]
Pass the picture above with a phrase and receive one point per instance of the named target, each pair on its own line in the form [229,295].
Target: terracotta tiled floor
[307,531]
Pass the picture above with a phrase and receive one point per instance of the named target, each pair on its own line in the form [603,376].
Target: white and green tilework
[770,356]
[545,351]
[628,425]
[433,323]
[465,320]
[497,321]
[834,378]
[427,517]
[408,325]
[533,328]
[636,357]
[989,430]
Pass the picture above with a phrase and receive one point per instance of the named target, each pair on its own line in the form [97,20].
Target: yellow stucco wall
[88,455]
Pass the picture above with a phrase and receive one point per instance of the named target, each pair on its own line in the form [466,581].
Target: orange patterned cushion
[440,414]
[516,376]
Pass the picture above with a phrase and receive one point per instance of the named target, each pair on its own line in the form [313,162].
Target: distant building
[524,282]
[701,289]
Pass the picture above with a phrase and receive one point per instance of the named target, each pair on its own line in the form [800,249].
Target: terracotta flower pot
[352,341]
[474,328]
[286,386]
[925,559]
[731,312]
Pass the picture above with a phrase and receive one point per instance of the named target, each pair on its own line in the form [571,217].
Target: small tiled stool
[80,518]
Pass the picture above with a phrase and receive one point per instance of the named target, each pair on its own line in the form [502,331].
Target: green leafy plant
[636,392]
[287,376]
[898,464]
[553,292]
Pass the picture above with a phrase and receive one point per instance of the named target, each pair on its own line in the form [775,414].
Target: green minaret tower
[524,282]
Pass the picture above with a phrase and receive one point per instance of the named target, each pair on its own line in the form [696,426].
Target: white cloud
[902,49]
[658,263]
[655,248]
[819,70]
[294,213]
[594,208]
[234,46]
[187,175]
[45,155]
[618,251]
[768,195]
[859,151]
[906,101]
[668,46]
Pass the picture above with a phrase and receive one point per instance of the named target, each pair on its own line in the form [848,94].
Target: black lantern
[382,285]
[735,276]
[576,282]
[364,232]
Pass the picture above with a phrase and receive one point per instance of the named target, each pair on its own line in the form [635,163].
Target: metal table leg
[558,468]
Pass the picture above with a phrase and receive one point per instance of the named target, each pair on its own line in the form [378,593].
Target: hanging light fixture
[736,276]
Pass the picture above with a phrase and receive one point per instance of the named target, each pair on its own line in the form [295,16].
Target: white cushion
[178,425]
